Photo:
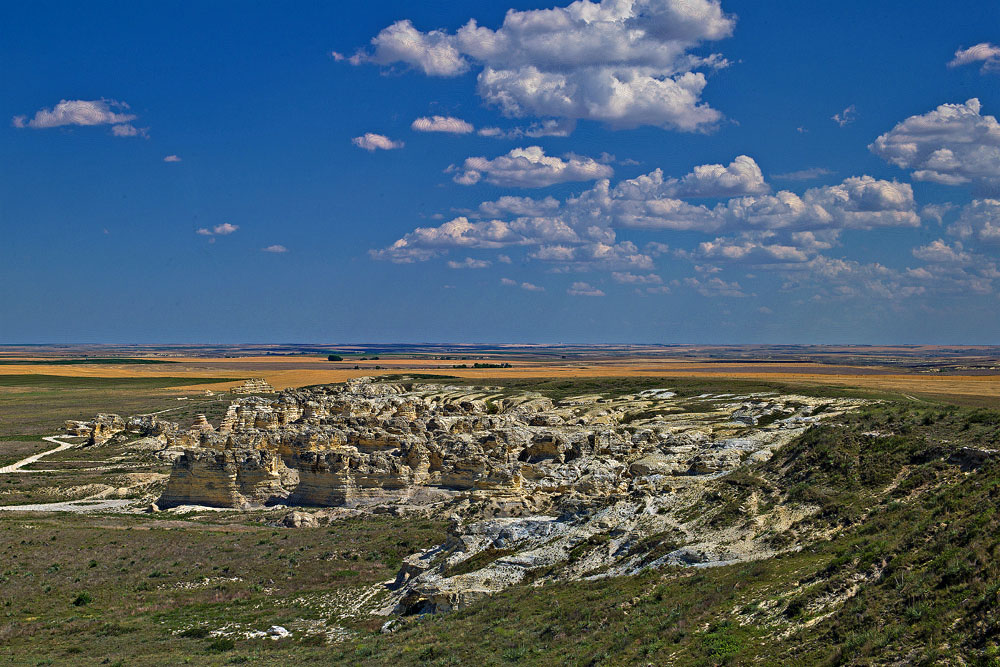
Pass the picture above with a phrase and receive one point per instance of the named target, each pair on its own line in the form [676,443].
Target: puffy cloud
[372,142]
[580,233]
[936,212]
[845,117]
[129,130]
[953,145]
[621,98]
[553,127]
[859,202]
[950,269]
[469,263]
[447,124]
[171,158]
[842,278]
[623,63]
[655,248]
[633,279]
[750,251]
[529,287]
[984,52]
[519,206]
[557,127]
[278,249]
[431,52]
[979,220]
[741,177]
[605,256]
[583,289]
[715,287]
[803,174]
[219,230]
[423,243]
[529,168]
[84,113]
[939,252]
[639,203]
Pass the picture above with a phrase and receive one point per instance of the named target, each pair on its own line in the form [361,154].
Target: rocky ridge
[536,489]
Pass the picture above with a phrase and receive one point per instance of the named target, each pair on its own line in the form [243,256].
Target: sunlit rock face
[367,442]
[589,485]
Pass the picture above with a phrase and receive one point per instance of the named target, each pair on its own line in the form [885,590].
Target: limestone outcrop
[366,442]
[538,488]
[105,426]
[253,386]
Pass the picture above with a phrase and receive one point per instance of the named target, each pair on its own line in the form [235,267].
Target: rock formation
[105,426]
[587,486]
[253,386]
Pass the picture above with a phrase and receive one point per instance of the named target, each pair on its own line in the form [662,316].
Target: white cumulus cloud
[633,279]
[583,289]
[372,142]
[84,113]
[529,168]
[580,232]
[530,287]
[953,145]
[979,220]
[939,252]
[275,249]
[219,230]
[984,52]
[623,63]
[447,124]
[469,263]
[741,177]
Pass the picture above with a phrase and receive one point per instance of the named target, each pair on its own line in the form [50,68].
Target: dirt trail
[85,505]
[16,467]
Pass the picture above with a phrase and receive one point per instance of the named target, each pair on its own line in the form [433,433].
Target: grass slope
[149,590]
[910,575]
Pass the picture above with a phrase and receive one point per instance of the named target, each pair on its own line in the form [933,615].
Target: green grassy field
[135,590]
[897,565]
[32,405]
[911,576]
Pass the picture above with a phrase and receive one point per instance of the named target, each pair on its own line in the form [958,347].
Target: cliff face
[588,484]
[365,443]
[229,478]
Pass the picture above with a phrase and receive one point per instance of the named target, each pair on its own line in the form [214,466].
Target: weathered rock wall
[231,478]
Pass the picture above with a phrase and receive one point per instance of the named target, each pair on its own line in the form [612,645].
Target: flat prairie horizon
[969,371]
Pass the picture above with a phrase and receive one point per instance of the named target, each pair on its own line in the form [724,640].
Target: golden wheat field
[294,371]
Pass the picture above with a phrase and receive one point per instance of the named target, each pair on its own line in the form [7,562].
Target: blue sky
[629,171]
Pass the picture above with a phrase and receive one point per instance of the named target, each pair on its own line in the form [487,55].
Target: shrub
[82,599]
[222,645]
[195,633]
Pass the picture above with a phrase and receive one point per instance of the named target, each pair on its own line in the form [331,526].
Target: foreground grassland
[137,590]
[910,576]
[897,564]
